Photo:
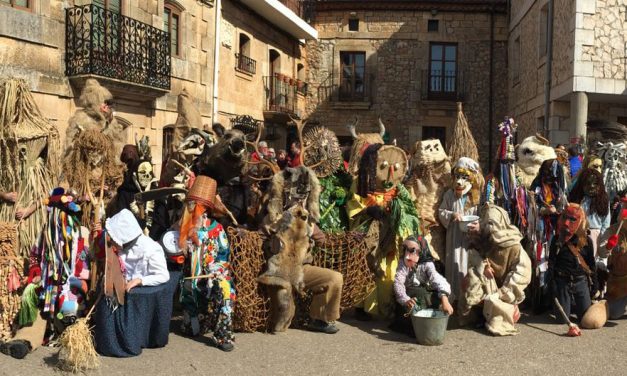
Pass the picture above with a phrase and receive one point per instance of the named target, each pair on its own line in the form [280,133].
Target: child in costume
[461,200]
[208,296]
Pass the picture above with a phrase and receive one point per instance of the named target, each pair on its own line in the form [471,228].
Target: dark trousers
[567,289]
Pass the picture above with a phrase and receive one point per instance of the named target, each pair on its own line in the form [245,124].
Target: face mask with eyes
[391,167]
[429,151]
[596,164]
[461,183]
[591,186]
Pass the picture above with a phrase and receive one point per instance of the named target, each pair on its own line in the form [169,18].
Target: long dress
[456,263]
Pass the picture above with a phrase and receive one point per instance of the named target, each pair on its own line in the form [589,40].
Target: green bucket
[429,326]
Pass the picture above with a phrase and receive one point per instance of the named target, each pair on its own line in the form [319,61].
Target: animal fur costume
[529,156]
[382,207]
[462,199]
[92,117]
[498,248]
[614,166]
[430,177]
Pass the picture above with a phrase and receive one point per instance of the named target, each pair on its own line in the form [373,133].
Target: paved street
[370,349]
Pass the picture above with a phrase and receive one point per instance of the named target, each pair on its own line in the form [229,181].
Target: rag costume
[571,262]
[207,301]
[461,199]
[498,248]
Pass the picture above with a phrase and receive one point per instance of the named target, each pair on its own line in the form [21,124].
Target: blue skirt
[142,322]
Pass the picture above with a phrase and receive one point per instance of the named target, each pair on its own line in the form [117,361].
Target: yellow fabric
[379,301]
[355,205]
[226,288]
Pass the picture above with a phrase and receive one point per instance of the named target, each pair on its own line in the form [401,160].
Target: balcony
[120,50]
[245,64]
[280,97]
[349,94]
[443,86]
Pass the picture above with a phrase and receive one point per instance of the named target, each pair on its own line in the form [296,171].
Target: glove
[375,212]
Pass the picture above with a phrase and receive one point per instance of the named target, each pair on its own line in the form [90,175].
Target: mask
[596,164]
[144,175]
[461,183]
[391,167]
[570,222]
[591,186]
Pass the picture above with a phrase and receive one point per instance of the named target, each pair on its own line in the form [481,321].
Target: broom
[78,352]
[463,144]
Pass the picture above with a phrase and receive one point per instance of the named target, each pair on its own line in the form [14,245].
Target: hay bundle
[10,267]
[463,144]
[29,157]
[323,151]
[78,352]
[251,308]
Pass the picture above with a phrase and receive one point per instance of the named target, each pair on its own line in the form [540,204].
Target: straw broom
[463,144]
[78,352]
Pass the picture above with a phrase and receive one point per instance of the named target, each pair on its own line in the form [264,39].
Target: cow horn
[381,128]
[351,128]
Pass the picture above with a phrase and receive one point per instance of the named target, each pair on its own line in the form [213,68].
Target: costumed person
[97,114]
[56,294]
[431,176]
[571,262]
[295,158]
[207,292]
[589,192]
[138,290]
[530,154]
[617,264]
[614,166]
[499,271]
[417,285]
[549,189]
[382,208]
[290,227]
[459,201]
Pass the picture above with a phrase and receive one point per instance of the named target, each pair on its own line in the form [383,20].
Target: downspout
[549,64]
[216,61]
[491,90]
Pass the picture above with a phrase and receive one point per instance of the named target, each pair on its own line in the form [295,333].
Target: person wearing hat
[462,199]
[417,284]
[207,292]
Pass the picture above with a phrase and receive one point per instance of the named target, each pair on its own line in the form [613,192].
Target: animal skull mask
[144,175]
[391,167]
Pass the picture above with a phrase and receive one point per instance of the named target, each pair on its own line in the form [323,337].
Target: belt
[570,277]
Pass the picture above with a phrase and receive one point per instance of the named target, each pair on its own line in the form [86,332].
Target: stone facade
[396,44]
[588,66]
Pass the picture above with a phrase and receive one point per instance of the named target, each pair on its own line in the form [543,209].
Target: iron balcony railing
[280,95]
[105,43]
[443,85]
[245,64]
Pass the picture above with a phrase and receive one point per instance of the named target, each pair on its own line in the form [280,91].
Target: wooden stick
[203,276]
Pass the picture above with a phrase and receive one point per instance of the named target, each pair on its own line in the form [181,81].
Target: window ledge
[243,74]
[351,105]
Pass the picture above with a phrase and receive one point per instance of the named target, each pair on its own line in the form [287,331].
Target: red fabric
[295,162]
[35,271]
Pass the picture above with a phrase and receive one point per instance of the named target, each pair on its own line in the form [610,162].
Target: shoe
[362,315]
[226,346]
[17,349]
[322,327]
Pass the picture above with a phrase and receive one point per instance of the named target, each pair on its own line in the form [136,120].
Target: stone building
[581,46]
[146,51]
[409,62]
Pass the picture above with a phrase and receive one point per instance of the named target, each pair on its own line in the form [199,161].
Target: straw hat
[204,191]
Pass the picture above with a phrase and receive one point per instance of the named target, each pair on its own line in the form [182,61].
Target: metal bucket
[429,326]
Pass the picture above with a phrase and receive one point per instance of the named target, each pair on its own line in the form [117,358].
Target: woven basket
[204,190]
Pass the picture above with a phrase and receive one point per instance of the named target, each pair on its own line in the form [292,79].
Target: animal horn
[542,140]
[381,127]
[351,128]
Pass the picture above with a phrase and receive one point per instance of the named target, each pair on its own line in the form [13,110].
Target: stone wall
[396,44]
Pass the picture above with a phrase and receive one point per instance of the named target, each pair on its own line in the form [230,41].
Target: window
[168,139]
[353,24]
[435,133]
[543,31]
[19,4]
[353,72]
[108,33]
[112,5]
[433,25]
[171,24]
[244,62]
[300,75]
[443,71]
[516,61]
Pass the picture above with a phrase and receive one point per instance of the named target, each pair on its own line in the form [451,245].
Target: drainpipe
[216,62]
[491,90]
[549,64]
